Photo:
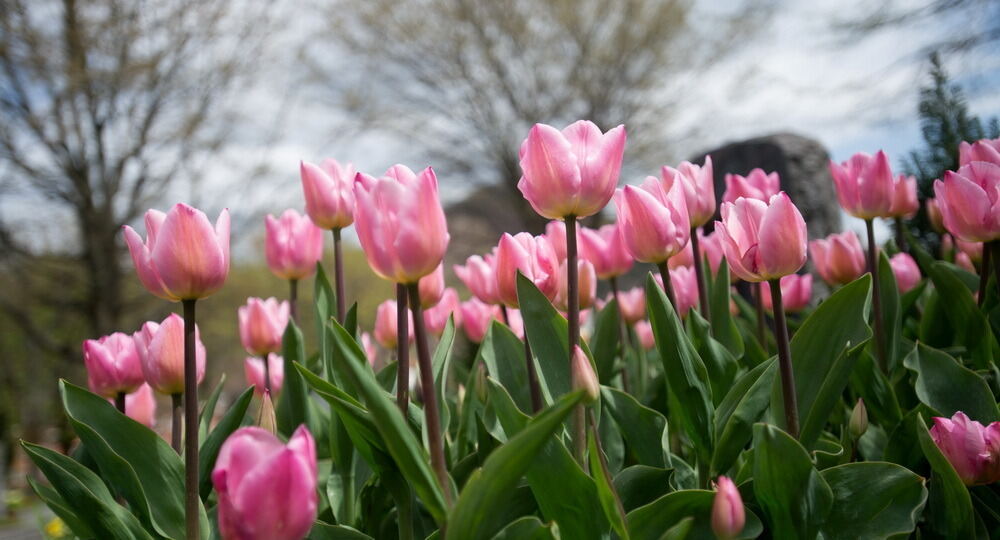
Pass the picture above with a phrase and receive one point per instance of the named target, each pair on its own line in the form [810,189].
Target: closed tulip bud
[605,249]
[262,325]
[371,353]
[293,245]
[141,406]
[728,516]
[763,241]
[113,365]
[267,489]
[644,331]
[904,197]
[386,331]
[161,352]
[476,318]
[685,283]
[586,285]
[969,201]
[431,287]
[400,223]
[572,172]
[838,258]
[480,278]
[973,450]
[865,185]
[253,368]
[583,375]
[534,257]
[934,215]
[796,292]
[266,417]
[436,318]
[698,186]
[756,185]
[858,424]
[653,220]
[184,257]
[329,193]
[632,304]
[987,150]
[906,271]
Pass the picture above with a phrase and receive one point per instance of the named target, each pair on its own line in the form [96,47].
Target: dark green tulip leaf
[873,500]
[949,509]
[947,387]
[643,428]
[548,334]
[208,410]
[325,531]
[745,403]
[502,352]
[292,408]
[639,485]
[971,328]
[724,328]
[649,522]
[605,341]
[605,488]
[528,528]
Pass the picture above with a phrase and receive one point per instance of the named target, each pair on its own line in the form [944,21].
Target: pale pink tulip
[431,287]
[534,257]
[141,406]
[632,304]
[605,249]
[329,193]
[161,352]
[586,285]
[653,220]
[262,325]
[583,375]
[293,245]
[838,258]
[973,450]
[934,215]
[699,189]
[371,353]
[477,317]
[515,322]
[796,292]
[555,233]
[113,365]
[685,284]
[480,278]
[756,185]
[904,197]
[969,201]
[865,185]
[644,331]
[763,241]
[973,249]
[386,330]
[906,271]
[710,247]
[963,261]
[728,516]
[253,368]
[436,318]
[987,150]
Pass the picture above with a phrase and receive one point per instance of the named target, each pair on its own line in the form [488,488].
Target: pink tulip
[728,516]
[436,318]
[632,304]
[113,365]
[645,332]
[973,249]
[586,285]
[253,368]
[653,220]
[865,185]
[987,150]
[710,247]
[796,292]
[904,197]
[973,450]
[371,353]
[555,233]
[906,271]
[756,185]
[605,249]
[293,245]
[934,215]
[534,257]
[400,223]
[583,376]
[161,352]
[699,189]
[838,258]
[572,172]
[329,193]
[970,201]
[386,331]
[262,325]
[515,322]
[141,406]
[763,241]
[480,278]
[963,261]
[184,257]
[431,287]
[267,489]
[477,318]
[685,284]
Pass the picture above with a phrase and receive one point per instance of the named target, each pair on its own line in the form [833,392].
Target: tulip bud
[906,271]
[253,368]
[386,332]
[838,258]
[987,150]
[262,325]
[698,185]
[113,365]
[266,418]
[479,277]
[293,245]
[728,516]
[329,193]
[586,285]
[763,241]
[653,220]
[756,185]
[184,257]
[161,352]
[436,318]
[583,375]
[865,185]
[973,450]
[796,292]
[859,420]
[431,287]
[968,202]
[605,249]
[532,256]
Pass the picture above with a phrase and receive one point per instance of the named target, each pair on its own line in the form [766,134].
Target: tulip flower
[555,233]
[763,241]
[477,317]
[329,193]
[572,172]
[963,261]
[184,256]
[371,353]
[653,220]
[685,288]
[710,247]
[436,318]
[479,277]
[386,330]
[865,185]
[583,375]
[431,287]
[969,201]
[161,353]
[728,516]
[796,291]
[293,245]
[699,189]
[262,325]
[605,249]
[973,249]
[632,304]
[534,257]
[587,287]
[515,322]
[267,489]
[141,406]
[987,150]
[934,215]
[838,258]
[400,223]
[904,197]
[756,185]
[113,366]
[906,271]
[645,332]
[973,450]
[263,377]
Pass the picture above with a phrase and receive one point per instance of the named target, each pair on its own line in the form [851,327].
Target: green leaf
[209,451]
[502,352]
[829,396]
[549,337]
[651,521]
[743,405]
[292,409]
[724,328]
[605,341]
[950,512]
[639,485]
[440,365]
[325,306]
[605,489]
[487,487]
[873,500]
[134,459]
[528,528]
[868,381]
[970,325]
[208,411]
[642,427]
[61,508]
[892,315]
[794,497]
[326,531]
[718,360]
[687,378]
[947,387]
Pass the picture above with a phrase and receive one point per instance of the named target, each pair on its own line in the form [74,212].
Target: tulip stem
[573,314]
[431,417]
[622,333]
[503,312]
[338,274]
[402,350]
[191,422]
[758,301]
[293,297]
[702,288]
[876,297]
[984,273]
[536,390]
[900,233]
[175,428]
[267,374]
[785,361]
[120,402]
[993,245]
[668,286]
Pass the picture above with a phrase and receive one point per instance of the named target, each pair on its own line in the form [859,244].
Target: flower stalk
[573,312]
[338,274]
[668,286]
[191,422]
[785,361]
[402,349]
[876,297]
[293,297]
[702,287]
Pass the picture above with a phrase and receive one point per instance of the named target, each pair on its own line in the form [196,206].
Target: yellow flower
[55,528]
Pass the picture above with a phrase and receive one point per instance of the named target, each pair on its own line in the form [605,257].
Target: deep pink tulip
[583,375]
[699,189]
[756,185]
[796,292]
[934,215]
[865,185]
[184,256]
[371,353]
[728,516]
[477,317]
[161,352]
[906,271]
[141,406]
[431,287]
[763,241]
[838,258]
[386,332]
[293,245]
[572,172]
[710,247]
[586,285]
[605,249]
[987,150]
[267,489]
[644,331]
[685,284]
[400,223]
[253,368]
[653,220]
[329,193]
[436,318]
[534,257]
[113,365]
[969,201]
[973,450]
[262,325]
[632,304]
[480,278]
[904,197]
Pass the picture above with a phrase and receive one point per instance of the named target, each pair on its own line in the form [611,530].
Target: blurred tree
[976,23]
